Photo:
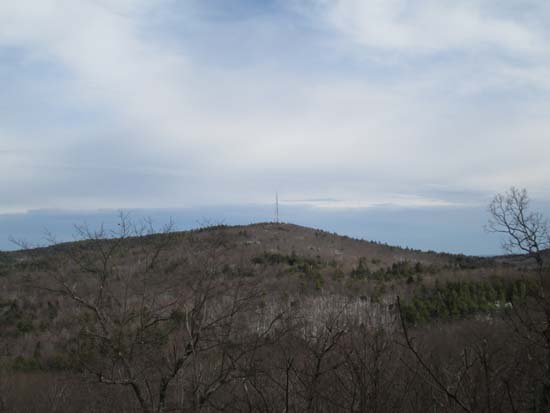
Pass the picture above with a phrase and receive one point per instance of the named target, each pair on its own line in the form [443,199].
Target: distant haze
[458,230]
[424,107]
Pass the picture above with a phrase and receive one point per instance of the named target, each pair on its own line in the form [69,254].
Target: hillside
[132,310]
[249,241]
[280,257]
[285,238]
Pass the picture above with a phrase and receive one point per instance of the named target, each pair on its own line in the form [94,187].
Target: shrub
[26,364]
[24,326]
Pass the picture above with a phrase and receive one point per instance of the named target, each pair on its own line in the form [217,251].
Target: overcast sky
[333,103]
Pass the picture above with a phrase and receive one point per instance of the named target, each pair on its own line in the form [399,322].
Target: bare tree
[524,230]
[173,338]
[125,313]
[527,231]
[429,373]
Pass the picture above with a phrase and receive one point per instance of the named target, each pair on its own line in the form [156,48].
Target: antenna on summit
[276,207]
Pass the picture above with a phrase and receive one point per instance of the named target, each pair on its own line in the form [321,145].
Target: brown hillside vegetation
[264,317]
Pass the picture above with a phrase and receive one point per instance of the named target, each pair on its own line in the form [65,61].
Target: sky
[347,108]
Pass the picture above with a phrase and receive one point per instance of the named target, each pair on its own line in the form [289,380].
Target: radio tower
[277,207]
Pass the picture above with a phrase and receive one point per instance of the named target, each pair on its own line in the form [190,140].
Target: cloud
[430,26]
[389,200]
[473,46]
[100,46]
[149,104]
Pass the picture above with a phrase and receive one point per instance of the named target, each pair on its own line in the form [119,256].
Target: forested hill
[286,239]
[128,320]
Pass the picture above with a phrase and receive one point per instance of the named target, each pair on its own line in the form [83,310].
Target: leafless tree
[528,232]
[428,373]
[524,230]
[173,338]
[372,379]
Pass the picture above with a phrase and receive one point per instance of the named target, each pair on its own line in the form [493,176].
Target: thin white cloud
[100,44]
[169,129]
[429,26]
[488,44]
[393,200]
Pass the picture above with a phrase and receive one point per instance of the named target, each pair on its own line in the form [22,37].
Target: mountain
[198,318]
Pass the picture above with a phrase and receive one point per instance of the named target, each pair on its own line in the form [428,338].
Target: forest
[273,318]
